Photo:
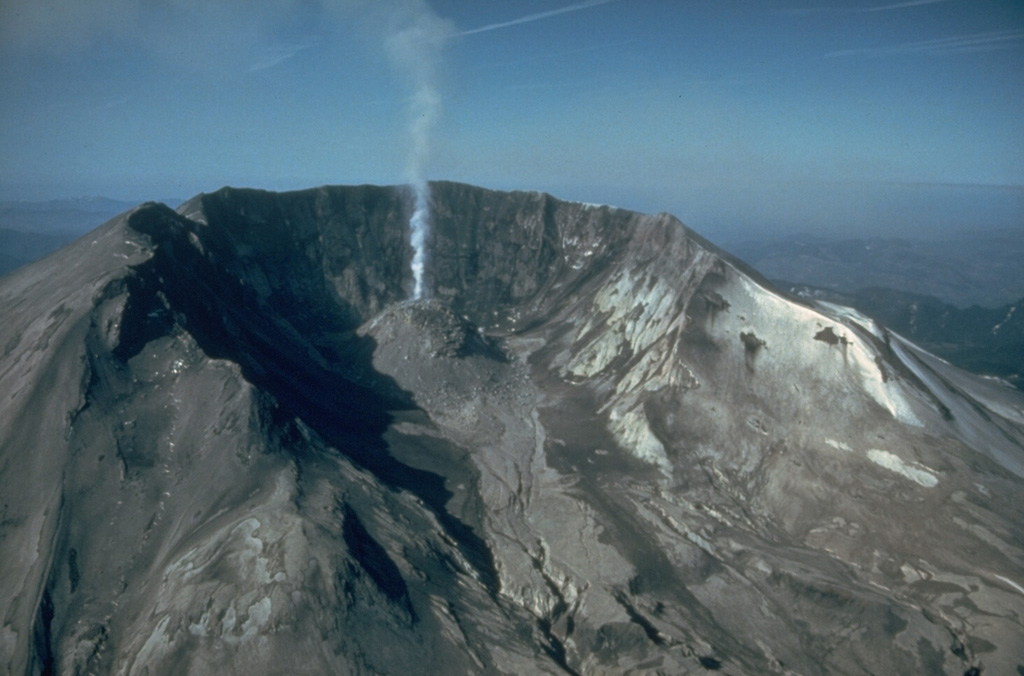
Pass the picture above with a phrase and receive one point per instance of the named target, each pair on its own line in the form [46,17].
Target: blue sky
[742,118]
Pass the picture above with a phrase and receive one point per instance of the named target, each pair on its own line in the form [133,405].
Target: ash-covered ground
[229,444]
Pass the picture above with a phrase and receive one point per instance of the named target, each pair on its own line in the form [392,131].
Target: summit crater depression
[597,444]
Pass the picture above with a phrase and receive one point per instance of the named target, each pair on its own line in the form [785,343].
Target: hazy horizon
[939,212]
[742,119]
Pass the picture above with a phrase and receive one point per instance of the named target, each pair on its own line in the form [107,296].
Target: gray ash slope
[229,445]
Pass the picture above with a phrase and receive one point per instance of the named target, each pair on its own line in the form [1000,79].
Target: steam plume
[415,45]
[419,224]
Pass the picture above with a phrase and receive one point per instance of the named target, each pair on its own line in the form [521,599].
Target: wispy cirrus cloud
[957,44]
[529,18]
[279,54]
[899,5]
[861,10]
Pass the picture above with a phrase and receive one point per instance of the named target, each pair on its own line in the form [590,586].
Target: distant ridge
[984,268]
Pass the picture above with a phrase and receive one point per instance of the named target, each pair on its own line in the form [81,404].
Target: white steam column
[415,46]
[419,225]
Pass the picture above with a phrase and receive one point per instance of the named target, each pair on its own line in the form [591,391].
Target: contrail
[958,44]
[862,10]
[575,7]
[899,5]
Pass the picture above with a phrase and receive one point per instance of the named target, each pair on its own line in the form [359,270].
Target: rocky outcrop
[229,444]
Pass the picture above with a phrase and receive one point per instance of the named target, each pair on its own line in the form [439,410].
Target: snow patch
[228,623]
[593,205]
[995,329]
[839,445]
[849,313]
[157,644]
[8,641]
[259,615]
[638,311]
[633,433]
[1011,583]
[961,393]
[892,462]
[700,542]
[777,316]
[885,393]
[202,627]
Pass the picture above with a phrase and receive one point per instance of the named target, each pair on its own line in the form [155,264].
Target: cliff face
[228,444]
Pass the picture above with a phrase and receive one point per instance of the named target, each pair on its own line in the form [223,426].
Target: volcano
[230,444]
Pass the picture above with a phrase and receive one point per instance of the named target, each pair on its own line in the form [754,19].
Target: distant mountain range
[982,268]
[31,230]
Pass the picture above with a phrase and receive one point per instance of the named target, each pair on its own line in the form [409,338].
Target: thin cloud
[959,44]
[529,18]
[862,10]
[900,5]
[547,56]
[279,55]
[214,35]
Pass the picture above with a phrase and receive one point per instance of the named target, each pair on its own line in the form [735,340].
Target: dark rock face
[228,444]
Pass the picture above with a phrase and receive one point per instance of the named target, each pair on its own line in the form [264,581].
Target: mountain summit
[230,444]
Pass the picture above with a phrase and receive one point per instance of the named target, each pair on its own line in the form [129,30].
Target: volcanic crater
[600,445]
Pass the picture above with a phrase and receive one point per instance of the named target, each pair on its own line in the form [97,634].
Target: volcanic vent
[599,446]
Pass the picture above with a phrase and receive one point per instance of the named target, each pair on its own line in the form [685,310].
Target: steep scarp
[230,444]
